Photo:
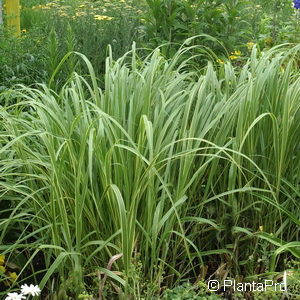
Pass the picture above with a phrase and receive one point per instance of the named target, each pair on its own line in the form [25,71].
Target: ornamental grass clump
[176,173]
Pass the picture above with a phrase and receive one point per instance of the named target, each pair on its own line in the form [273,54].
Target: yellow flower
[250,45]
[62,7]
[13,275]
[233,57]
[102,18]
[220,61]
[23,30]
[269,41]
[80,13]
[2,260]
[261,228]
[62,14]
[236,53]
[2,269]
[40,7]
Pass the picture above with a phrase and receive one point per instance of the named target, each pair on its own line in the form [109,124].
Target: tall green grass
[181,174]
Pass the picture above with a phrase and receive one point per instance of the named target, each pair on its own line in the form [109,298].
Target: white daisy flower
[32,290]
[14,296]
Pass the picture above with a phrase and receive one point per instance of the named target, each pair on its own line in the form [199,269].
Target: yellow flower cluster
[80,13]
[87,8]
[250,45]
[41,7]
[235,55]
[12,275]
[102,18]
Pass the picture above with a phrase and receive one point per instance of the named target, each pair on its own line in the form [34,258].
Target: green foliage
[174,21]
[21,60]
[278,23]
[166,23]
[233,23]
[51,29]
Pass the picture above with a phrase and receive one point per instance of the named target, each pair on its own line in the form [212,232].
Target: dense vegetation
[145,169]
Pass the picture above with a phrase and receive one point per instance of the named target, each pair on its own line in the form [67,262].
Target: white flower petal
[32,290]
[14,296]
